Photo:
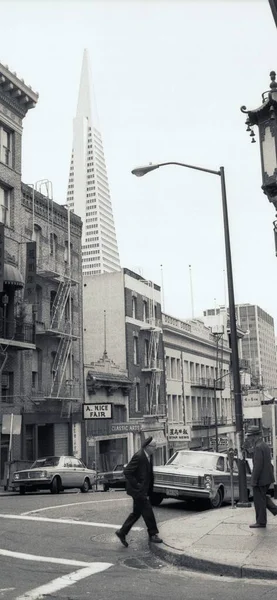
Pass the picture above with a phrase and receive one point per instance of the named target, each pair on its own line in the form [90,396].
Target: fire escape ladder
[60,363]
[60,303]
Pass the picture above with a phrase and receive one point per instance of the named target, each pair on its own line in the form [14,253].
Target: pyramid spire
[88,192]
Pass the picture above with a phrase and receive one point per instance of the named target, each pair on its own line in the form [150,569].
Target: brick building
[132,308]
[40,335]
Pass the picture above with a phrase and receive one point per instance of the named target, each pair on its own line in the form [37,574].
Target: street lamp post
[139,172]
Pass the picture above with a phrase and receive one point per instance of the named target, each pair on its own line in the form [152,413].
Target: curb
[179,559]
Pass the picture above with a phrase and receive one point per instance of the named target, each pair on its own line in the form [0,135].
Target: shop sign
[179,434]
[126,428]
[97,411]
[76,439]
[11,424]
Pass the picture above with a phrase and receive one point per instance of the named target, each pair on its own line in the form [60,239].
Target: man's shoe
[256,526]
[156,539]
[122,538]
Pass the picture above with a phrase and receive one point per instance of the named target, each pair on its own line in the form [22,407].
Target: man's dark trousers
[261,502]
[141,508]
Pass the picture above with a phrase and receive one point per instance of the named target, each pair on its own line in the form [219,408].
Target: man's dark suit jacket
[262,473]
[139,475]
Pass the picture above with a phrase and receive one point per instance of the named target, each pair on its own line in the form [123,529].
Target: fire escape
[60,323]
[153,364]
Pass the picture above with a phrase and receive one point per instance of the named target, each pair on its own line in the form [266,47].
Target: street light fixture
[265,118]
[139,172]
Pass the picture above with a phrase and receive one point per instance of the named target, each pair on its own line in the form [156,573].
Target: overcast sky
[169,79]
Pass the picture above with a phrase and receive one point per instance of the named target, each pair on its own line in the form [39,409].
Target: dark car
[113,479]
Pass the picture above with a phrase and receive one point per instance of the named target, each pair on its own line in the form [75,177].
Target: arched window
[53,245]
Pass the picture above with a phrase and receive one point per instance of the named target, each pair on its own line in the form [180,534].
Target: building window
[146,353]
[37,236]
[66,253]
[145,311]
[137,398]
[147,398]
[6,146]
[135,350]
[5,197]
[134,307]
[53,245]
[7,387]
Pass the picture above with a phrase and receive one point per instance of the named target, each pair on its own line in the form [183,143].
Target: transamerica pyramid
[88,192]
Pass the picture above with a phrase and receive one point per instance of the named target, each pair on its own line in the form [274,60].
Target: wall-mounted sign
[126,428]
[97,411]
[179,434]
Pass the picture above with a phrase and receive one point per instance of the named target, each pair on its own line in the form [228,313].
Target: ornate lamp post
[139,172]
[265,117]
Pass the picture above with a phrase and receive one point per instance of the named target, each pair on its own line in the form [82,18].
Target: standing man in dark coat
[262,475]
[139,485]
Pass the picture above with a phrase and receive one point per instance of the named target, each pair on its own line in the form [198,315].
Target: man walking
[262,475]
[139,485]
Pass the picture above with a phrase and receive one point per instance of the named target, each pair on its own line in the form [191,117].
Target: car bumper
[174,492]
[42,483]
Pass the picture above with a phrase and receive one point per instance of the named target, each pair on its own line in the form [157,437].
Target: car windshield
[193,459]
[51,461]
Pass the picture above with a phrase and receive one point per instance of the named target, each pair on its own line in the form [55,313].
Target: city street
[64,547]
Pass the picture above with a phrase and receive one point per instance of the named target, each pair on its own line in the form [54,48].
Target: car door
[67,472]
[78,472]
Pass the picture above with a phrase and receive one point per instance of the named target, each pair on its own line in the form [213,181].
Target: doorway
[45,440]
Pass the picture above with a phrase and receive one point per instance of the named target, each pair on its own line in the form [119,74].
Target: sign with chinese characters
[2,253]
[76,440]
[179,434]
[126,427]
[31,267]
[97,411]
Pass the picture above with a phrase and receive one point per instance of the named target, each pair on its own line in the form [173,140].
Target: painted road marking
[61,582]
[30,512]
[64,521]
[64,581]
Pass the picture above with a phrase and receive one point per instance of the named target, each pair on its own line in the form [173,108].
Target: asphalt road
[54,547]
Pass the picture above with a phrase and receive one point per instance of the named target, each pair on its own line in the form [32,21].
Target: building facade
[88,191]
[199,403]
[129,307]
[41,292]
[258,346]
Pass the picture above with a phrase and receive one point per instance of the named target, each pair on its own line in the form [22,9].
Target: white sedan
[55,473]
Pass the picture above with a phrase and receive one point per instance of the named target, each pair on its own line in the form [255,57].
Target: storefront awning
[12,276]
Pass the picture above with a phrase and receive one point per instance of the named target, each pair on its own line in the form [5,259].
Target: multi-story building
[128,308]
[88,191]
[199,404]
[40,299]
[258,346]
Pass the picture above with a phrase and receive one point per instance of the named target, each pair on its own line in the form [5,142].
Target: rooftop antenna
[191,293]
[162,289]
[105,335]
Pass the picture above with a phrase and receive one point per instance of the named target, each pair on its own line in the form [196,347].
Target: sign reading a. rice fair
[97,411]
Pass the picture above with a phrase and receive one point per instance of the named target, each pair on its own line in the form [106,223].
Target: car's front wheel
[217,500]
[85,487]
[55,486]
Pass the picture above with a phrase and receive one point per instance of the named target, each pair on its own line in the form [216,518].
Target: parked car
[113,479]
[191,475]
[55,473]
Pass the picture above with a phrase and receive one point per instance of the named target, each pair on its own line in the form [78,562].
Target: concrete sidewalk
[221,542]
